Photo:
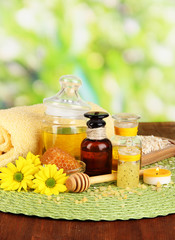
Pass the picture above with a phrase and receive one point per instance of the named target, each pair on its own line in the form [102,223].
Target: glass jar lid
[126,117]
[67,103]
[126,121]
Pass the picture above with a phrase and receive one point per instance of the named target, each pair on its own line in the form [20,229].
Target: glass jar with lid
[128,167]
[125,127]
[64,125]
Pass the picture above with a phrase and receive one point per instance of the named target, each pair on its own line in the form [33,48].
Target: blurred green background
[124,52]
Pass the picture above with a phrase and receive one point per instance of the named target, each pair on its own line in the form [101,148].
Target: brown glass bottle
[96,149]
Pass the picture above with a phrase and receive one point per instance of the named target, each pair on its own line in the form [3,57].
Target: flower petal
[47,172]
[61,187]
[12,167]
[19,164]
[6,170]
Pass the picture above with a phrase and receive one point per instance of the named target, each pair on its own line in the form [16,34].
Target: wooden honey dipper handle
[80,182]
[103,178]
[106,178]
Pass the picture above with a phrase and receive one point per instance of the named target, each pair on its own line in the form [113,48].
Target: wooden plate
[154,156]
[159,155]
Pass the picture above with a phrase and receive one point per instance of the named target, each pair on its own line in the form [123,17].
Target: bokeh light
[124,52]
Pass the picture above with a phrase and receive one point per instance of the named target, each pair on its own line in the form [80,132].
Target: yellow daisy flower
[32,159]
[17,177]
[49,180]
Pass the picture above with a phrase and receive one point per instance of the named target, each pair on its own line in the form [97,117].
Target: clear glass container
[64,125]
[80,169]
[126,127]
[128,167]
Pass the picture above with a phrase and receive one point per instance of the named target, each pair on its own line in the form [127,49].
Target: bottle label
[96,133]
[129,132]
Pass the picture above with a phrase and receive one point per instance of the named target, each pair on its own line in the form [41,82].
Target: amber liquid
[97,154]
[114,158]
[68,139]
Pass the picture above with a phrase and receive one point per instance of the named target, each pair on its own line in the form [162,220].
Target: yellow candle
[156,175]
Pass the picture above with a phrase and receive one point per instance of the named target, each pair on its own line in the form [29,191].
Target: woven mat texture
[101,202]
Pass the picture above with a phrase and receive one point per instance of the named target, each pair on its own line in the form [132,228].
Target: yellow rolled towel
[20,131]
[5,140]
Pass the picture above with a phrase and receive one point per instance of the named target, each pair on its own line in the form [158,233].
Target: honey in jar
[126,127]
[63,124]
[66,138]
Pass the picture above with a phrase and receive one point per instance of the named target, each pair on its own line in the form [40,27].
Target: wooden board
[155,156]
[159,155]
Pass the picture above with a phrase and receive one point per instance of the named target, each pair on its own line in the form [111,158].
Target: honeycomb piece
[60,158]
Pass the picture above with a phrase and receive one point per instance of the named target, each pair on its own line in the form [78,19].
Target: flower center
[50,182]
[18,176]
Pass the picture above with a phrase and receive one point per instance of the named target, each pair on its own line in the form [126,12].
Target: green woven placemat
[101,202]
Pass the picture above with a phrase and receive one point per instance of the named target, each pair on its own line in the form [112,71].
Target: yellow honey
[114,158]
[66,138]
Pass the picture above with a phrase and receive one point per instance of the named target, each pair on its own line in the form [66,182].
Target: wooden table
[17,227]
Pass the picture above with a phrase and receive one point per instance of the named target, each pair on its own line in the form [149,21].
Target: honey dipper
[79,182]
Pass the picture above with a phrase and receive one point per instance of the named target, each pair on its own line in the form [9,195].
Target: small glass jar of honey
[128,167]
[126,127]
[64,125]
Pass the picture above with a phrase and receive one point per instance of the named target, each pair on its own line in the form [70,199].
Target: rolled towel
[5,141]
[20,131]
